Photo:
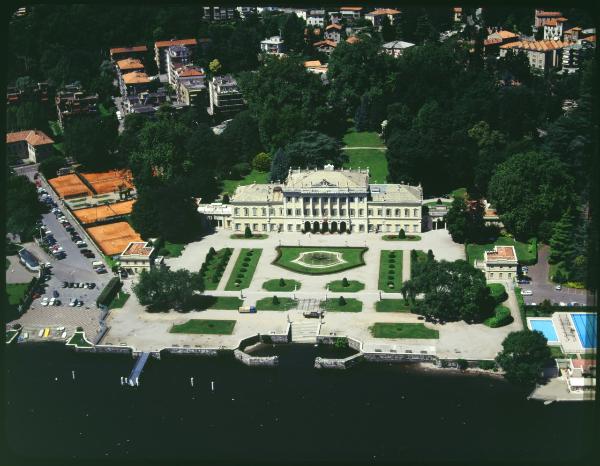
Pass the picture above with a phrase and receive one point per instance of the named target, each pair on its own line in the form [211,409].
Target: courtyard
[261,273]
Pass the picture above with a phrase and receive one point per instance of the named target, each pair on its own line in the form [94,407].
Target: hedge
[26,302]
[109,292]
[521,303]
[501,318]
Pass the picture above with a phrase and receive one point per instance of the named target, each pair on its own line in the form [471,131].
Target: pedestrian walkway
[305,331]
[228,269]
[405,266]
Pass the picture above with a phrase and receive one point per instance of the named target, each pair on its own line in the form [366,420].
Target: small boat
[25,335]
[547,402]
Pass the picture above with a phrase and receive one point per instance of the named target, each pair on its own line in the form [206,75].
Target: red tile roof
[189,72]
[583,363]
[33,137]
[548,14]
[327,42]
[384,11]
[334,26]
[352,40]
[351,8]
[169,43]
[501,253]
[137,48]
[136,77]
[130,64]
[138,248]
[537,45]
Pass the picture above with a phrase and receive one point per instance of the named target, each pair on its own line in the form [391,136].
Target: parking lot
[542,288]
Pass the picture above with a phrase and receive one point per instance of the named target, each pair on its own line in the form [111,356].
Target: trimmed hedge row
[521,303]
[109,292]
[501,318]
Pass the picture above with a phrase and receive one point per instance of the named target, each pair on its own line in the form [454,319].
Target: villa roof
[501,254]
[136,77]
[32,136]
[351,8]
[169,43]
[537,45]
[138,248]
[396,193]
[325,42]
[548,14]
[384,11]
[334,26]
[327,178]
[130,64]
[137,48]
[397,44]
[352,40]
[257,193]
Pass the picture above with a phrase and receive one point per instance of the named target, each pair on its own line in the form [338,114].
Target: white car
[52,301]
[73,302]
[562,304]
[44,301]
[48,265]
[526,292]
[558,287]
[80,303]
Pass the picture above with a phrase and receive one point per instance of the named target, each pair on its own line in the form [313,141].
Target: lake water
[292,412]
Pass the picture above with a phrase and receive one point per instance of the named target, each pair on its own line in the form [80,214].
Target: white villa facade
[327,200]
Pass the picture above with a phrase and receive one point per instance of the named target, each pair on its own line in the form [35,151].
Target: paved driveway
[543,288]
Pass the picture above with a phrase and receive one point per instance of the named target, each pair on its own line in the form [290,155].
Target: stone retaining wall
[399,357]
[212,352]
[255,360]
[323,363]
[105,349]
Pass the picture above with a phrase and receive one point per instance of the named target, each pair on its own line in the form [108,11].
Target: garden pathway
[228,269]
[405,266]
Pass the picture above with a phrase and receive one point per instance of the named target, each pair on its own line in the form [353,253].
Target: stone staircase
[305,330]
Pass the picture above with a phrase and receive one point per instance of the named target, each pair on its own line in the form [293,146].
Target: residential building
[315,66]
[72,101]
[316,18]
[225,97]
[396,48]
[177,57]
[581,375]
[325,46]
[542,54]
[37,91]
[191,86]
[219,13]
[352,40]
[145,102]
[273,45]
[299,12]
[120,53]
[542,17]
[327,200]
[457,14]
[134,83]
[139,256]
[350,13]
[496,38]
[245,11]
[128,65]
[161,48]
[376,16]
[333,32]
[334,17]
[31,144]
[500,263]
[553,28]
[217,214]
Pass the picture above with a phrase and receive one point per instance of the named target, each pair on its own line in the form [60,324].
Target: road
[543,288]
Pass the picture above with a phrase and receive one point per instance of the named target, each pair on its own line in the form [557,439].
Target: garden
[390,271]
[526,252]
[244,268]
[213,267]
[205,326]
[281,285]
[341,304]
[345,286]
[319,261]
[275,303]
[392,305]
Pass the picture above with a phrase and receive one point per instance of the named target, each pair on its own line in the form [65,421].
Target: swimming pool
[585,324]
[546,327]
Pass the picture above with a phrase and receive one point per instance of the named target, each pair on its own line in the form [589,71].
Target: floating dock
[138,368]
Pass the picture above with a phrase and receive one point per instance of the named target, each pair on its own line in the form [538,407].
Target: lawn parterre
[406,238]
[390,271]
[205,326]
[244,268]
[225,303]
[78,339]
[355,138]
[392,305]
[352,257]
[350,286]
[279,304]
[119,300]
[526,252]
[277,285]
[344,305]
[213,267]
[393,330]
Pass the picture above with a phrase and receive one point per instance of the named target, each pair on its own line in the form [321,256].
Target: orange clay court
[108,182]
[113,238]
[102,212]
[69,186]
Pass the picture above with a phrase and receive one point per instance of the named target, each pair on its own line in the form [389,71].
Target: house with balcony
[499,264]
[351,13]
[134,83]
[177,56]
[376,16]
[325,46]
[333,32]
[316,18]
[120,53]
[272,45]
[543,55]
[225,97]
[396,48]
[161,48]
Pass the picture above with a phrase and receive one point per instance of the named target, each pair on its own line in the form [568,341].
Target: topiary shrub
[243,269]
[281,282]
[345,282]
[247,232]
[401,234]
[275,300]
[462,364]
[341,301]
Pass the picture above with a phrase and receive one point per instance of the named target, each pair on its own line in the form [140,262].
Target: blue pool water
[546,327]
[585,324]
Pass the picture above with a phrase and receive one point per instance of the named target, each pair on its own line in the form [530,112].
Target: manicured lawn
[205,326]
[406,238]
[333,305]
[16,292]
[526,252]
[392,305]
[110,261]
[337,286]
[214,267]
[175,249]
[78,339]
[389,330]
[498,292]
[390,271]
[225,303]
[353,257]
[253,177]
[459,192]
[556,352]
[266,304]
[435,203]
[373,158]
[243,271]
[288,285]
[362,139]
[254,236]
[119,300]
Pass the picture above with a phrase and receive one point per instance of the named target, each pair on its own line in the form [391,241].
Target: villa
[326,200]
[499,264]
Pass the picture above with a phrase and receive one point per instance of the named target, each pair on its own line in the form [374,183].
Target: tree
[48,167]
[92,141]
[523,357]
[23,209]
[310,149]
[262,162]
[345,282]
[371,111]
[275,300]
[292,32]
[247,232]
[240,140]
[528,209]
[161,289]
[401,234]
[214,66]
[388,32]
[490,152]
[280,166]
[462,364]
[281,282]
[561,242]
[456,220]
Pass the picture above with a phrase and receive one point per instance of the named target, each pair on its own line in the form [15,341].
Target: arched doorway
[316,227]
[306,227]
[334,227]
[325,227]
[342,227]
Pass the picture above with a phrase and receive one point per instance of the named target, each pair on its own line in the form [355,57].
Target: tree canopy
[523,357]
[162,289]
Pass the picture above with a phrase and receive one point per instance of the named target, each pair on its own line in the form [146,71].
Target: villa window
[288,199]
[361,212]
[298,227]
[289,227]
[406,213]
[236,211]
[370,227]
[254,211]
[388,212]
[271,211]
[415,212]
[245,211]
[306,212]
[264,227]
[397,228]
[281,211]
[334,212]
[255,227]
[325,211]
[264,212]
[370,212]
[361,199]
[352,212]
[361,228]
[379,211]
[397,212]
[289,212]
[315,212]
[342,212]
[298,212]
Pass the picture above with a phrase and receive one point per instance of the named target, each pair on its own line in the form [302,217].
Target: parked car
[55,294]
[81,244]
[80,303]
[92,286]
[123,273]
[57,302]
[65,284]
[52,301]
[558,287]
[526,292]
[44,301]
[73,302]
[71,285]
[101,270]
[312,314]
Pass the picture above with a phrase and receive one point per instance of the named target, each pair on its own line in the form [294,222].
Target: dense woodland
[453,117]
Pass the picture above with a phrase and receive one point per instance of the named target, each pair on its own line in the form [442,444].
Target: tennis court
[109,181]
[69,186]
[103,212]
[113,238]
[585,324]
